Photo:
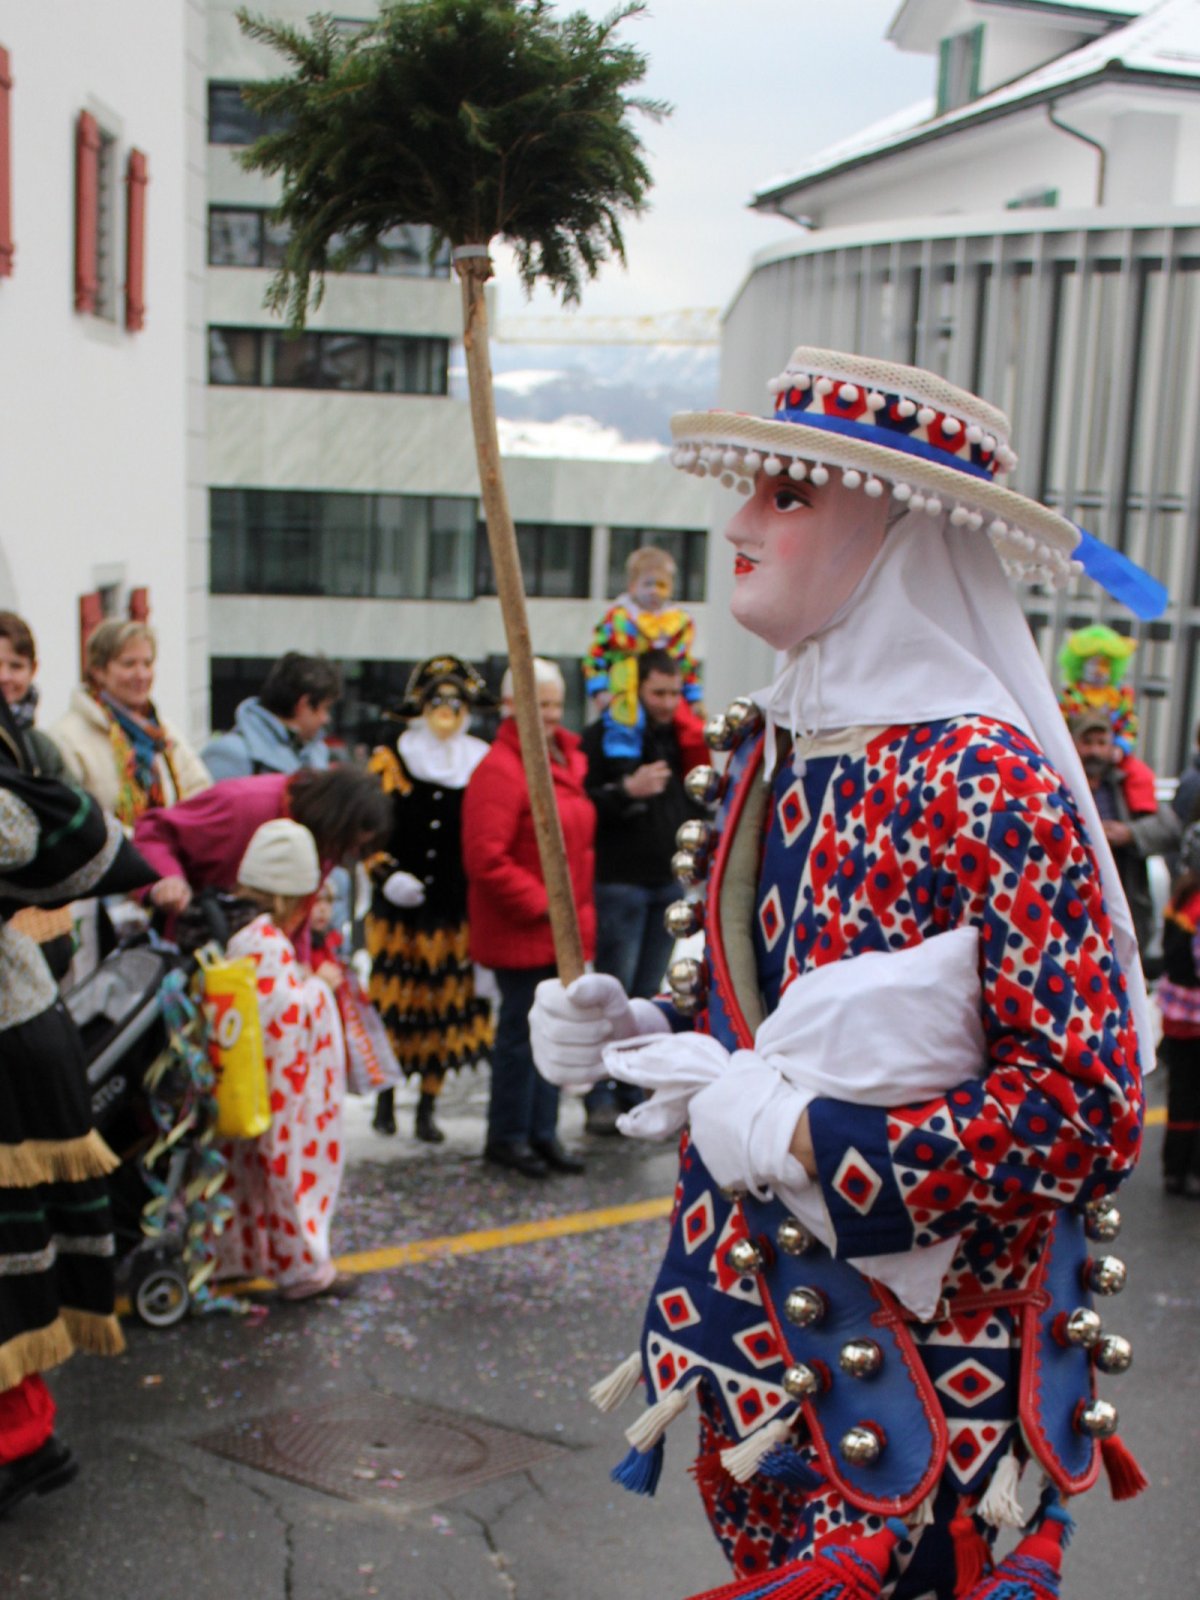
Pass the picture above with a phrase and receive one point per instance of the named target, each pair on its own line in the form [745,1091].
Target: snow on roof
[1164,42]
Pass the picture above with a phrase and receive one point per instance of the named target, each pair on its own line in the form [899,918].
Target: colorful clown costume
[834,1404]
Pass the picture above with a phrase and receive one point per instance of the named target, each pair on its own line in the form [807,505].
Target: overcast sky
[757,86]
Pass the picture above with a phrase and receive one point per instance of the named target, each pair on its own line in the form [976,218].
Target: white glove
[404,890]
[569,1027]
[671,1068]
[743,1123]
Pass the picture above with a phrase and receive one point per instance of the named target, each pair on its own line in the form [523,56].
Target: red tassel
[1125,1478]
[1031,1571]
[972,1555]
[711,1475]
[852,1570]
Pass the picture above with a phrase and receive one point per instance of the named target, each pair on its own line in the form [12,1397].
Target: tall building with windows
[343,502]
[103,499]
[1033,233]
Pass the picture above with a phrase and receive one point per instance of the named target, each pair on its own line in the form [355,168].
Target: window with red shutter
[87,212]
[136,178]
[6,239]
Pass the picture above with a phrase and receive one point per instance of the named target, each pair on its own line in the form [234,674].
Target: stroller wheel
[160,1295]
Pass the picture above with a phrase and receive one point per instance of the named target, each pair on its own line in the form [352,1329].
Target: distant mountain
[622,392]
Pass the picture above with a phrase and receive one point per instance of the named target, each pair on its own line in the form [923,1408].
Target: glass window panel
[292,361]
[226,543]
[451,549]
[527,550]
[233,355]
[346,544]
[284,536]
[230,119]
[564,562]
[401,252]
[410,366]
[275,240]
[234,237]
[363,263]
[1063,410]
[401,545]
[345,361]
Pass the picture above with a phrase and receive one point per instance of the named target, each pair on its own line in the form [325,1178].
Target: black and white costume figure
[422,977]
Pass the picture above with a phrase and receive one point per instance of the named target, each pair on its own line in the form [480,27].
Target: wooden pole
[474,268]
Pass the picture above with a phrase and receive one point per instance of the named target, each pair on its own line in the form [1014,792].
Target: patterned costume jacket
[890,837]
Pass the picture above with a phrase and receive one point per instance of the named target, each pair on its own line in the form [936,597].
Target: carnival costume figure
[422,978]
[641,619]
[56,1241]
[914,1080]
[1093,662]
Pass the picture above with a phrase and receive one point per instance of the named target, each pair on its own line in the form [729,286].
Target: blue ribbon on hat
[872,433]
[1121,578]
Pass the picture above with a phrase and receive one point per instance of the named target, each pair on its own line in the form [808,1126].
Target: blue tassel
[789,1467]
[640,1470]
[1121,578]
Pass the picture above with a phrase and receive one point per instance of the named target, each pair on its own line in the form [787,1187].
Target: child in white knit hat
[285,1184]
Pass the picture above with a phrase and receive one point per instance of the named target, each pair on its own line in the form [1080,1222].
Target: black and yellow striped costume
[422,978]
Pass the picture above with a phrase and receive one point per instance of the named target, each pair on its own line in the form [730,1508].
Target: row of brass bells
[802,1382]
[703,785]
[1113,1355]
[693,840]
[1082,1327]
[685,979]
[726,728]
[683,918]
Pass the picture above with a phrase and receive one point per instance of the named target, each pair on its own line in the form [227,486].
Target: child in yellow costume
[1093,663]
[643,618]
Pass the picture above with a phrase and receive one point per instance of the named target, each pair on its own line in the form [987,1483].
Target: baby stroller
[141,1109]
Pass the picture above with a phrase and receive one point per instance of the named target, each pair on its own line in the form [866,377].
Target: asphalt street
[506,1335]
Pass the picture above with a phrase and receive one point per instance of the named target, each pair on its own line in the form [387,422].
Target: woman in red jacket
[507,909]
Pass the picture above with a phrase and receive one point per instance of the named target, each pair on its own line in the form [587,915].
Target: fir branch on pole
[480,120]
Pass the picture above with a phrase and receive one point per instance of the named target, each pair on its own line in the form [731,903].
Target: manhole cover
[380,1448]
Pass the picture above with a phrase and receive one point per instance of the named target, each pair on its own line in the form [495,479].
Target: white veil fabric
[932,631]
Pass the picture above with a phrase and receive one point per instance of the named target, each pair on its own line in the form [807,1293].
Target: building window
[959,59]
[230,119]
[353,362]
[359,546]
[689,546]
[6,238]
[556,561]
[1033,200]
[251,236]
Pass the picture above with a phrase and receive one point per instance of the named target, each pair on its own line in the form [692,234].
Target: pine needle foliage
[477,118]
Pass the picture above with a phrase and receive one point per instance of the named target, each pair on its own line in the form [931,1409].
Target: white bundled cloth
[880,1029]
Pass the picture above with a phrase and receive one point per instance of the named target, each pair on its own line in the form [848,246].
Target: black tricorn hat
[431,674]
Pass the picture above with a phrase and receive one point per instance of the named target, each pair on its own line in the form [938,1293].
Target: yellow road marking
[1156,1115]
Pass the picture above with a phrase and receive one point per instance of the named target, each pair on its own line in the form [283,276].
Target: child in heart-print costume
[285,1184]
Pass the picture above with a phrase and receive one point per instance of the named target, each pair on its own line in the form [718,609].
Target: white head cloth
[934,631]
[449,762]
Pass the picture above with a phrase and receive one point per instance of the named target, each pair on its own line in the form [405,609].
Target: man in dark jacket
[640,803]
[1135,824]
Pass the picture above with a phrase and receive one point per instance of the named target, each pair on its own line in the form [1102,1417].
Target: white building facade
[343,502]
[102,509]
[1033,235]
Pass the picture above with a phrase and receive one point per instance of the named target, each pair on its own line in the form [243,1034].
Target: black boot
[384,1120]
[426,1128]
[49,1467]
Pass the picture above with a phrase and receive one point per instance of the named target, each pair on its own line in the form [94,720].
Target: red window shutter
[136,178]
[91,615]
[6,239]
[87,206]
[139,605]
